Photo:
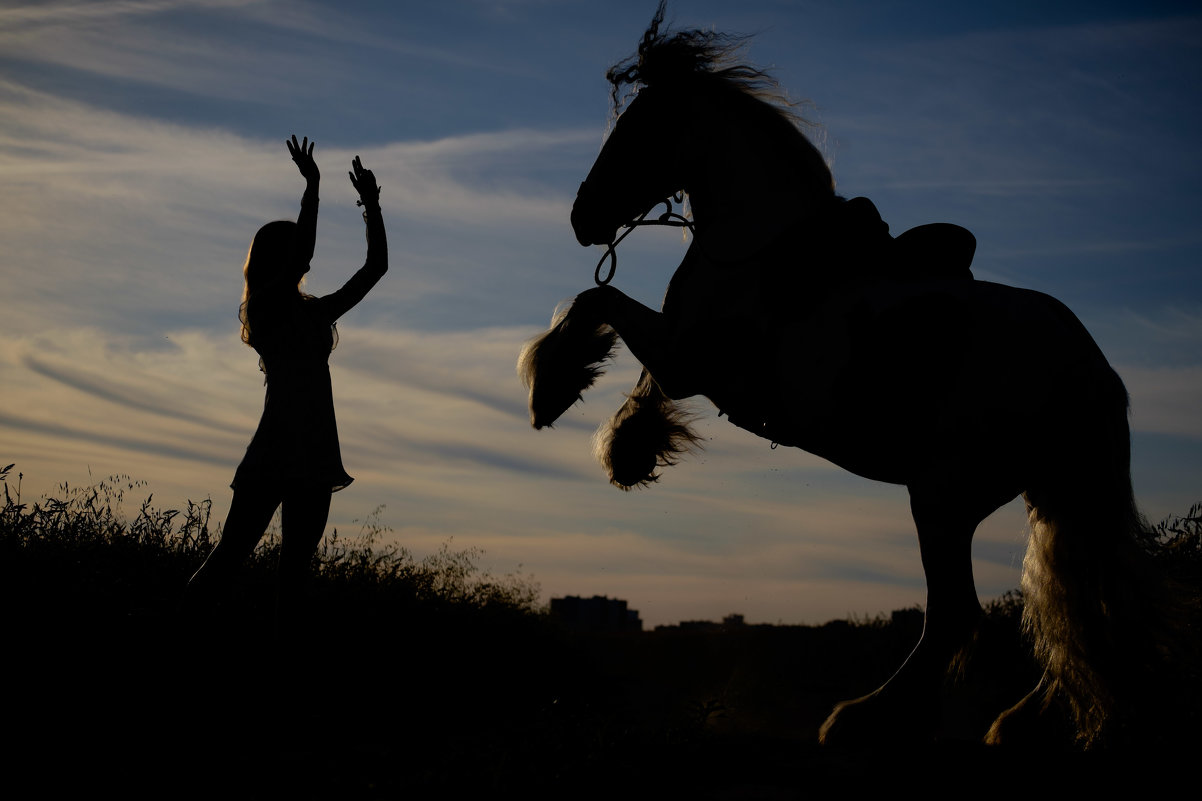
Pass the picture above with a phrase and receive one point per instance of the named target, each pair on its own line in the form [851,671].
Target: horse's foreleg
[562,363]
[907,704]
[559,365]
[652,336]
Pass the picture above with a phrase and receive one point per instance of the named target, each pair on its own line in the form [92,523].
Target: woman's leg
[250,514]
[305,511]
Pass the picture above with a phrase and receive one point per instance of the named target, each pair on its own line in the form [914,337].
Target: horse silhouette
[798,315]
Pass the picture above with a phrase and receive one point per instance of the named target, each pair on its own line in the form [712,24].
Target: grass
[418,677]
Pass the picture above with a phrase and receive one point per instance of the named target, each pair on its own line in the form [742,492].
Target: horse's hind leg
[908,704]
[649,431]
[1038,720]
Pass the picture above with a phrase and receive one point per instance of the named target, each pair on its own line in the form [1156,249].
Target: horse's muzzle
[588,228]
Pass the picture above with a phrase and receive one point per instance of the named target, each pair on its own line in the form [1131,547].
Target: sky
[142,145]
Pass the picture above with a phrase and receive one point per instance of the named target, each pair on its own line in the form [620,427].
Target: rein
[669,218]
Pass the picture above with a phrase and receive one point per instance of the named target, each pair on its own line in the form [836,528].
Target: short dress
[296,443]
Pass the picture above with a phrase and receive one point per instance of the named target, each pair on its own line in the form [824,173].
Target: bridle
[669,218]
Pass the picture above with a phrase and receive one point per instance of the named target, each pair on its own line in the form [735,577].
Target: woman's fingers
[302,148]
[364,181]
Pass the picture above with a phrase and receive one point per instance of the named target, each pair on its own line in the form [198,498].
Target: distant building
[692,625]
[729,623]
[598,613]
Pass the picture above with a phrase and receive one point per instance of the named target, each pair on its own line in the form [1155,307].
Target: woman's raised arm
[306,221]
[342,301]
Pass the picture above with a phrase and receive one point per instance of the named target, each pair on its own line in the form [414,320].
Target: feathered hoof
[559,365]
[631,463]
[1036,722]
[878,720]
[647,433]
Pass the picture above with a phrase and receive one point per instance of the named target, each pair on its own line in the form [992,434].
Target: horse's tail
[560,364]
[650,431]
[1103,618]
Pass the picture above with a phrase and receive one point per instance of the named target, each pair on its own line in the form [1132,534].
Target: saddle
[936,250]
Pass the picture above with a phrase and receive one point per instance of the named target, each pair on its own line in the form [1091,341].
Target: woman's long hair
[272,277]
[268,270]
[268,267]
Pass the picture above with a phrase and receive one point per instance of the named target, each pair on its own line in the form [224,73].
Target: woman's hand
[364,182]
[302,154]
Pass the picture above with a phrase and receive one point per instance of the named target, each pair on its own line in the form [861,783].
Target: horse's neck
[744,198]
[739,221]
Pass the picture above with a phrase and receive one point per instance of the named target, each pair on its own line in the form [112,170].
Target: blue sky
[141,145]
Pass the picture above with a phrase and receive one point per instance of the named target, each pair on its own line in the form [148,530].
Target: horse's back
[887,375]
[944,332]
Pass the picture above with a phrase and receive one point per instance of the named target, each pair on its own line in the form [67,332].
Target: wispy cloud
[164,211]
[248,50]
[21,18]
[155,43]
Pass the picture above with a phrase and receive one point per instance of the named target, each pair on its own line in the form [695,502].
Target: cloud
[94,155]
[156,217]
[158,43]
[21,19]
[251,52]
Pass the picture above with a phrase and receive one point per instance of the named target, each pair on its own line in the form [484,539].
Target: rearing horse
[804,322]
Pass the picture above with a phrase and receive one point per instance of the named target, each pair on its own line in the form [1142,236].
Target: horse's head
[704,123]
[638,167]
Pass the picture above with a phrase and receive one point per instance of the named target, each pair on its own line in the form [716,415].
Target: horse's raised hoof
[631,469]
[561,364]
[629,446]
[649,431]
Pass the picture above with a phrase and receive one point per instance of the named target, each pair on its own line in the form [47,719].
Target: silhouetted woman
[293,461]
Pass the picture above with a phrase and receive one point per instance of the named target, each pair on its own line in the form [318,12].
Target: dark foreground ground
[427,679]
[154,705]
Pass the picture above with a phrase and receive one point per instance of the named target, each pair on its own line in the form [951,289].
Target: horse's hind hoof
[1037,721]
[631,450]
[877,721]
[635,469]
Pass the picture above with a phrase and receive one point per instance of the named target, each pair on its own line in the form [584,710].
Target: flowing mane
[711,61]
[710,56]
